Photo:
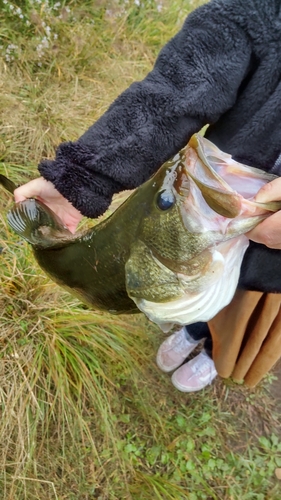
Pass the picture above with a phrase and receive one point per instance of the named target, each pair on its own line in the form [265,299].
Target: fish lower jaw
[191,308]
[204,304]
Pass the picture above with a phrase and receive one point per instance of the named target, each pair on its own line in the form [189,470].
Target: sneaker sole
[184,388]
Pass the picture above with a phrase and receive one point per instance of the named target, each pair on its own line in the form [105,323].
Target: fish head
[198,207]
[200,197]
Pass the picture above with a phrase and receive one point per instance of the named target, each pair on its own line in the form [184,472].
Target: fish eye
[165,199]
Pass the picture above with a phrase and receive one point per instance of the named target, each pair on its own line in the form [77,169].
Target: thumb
[269,192]
[31,189]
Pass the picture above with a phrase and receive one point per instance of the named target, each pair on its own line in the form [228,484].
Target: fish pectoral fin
[147,278]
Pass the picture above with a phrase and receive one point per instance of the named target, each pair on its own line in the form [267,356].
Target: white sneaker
[196,374]
[174,350]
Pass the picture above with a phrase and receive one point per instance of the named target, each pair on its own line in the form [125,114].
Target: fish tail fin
[7,184]
[37,223]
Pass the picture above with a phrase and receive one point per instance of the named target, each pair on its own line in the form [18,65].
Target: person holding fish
[222,70]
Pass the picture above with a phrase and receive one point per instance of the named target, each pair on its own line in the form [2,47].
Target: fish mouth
[227,186]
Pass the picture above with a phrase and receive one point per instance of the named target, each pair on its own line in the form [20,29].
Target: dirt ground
[275,387]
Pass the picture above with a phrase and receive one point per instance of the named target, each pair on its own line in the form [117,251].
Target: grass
[85,413]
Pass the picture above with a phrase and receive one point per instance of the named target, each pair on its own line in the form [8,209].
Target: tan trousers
[247,336]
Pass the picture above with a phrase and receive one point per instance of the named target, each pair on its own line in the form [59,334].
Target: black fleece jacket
[223,69]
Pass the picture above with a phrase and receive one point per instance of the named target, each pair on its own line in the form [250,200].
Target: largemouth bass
[172,250]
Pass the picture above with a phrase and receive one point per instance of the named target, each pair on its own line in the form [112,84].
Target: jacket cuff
[89,192]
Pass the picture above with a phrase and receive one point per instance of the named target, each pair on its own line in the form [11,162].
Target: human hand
[46,192]
[268,232]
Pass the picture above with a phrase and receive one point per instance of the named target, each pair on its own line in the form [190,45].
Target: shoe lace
[201,368]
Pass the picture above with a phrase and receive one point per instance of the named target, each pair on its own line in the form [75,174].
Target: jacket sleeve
[195,80]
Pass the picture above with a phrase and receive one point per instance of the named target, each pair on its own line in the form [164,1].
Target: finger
[269,192]
[20,194]
[72,221]
[71,226]
[28,190]
[268,232]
